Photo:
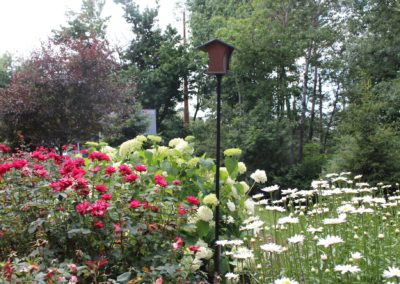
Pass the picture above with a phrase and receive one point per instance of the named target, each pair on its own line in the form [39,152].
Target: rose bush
[140,214]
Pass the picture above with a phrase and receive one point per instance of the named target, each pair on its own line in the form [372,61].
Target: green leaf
[113,215]
[207,163]
[149,156]
[203,228]
[124,277]
[231,165]
[73,232]
[34,225]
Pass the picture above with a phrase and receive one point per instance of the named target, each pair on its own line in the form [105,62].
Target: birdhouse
[219,54]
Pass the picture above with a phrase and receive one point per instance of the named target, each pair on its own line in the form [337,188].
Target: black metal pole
[217,255]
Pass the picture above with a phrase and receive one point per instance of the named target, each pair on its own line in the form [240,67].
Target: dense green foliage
[312,87]
[265,100]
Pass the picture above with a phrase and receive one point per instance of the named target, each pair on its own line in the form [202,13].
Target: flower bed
[140,214]
[341,231]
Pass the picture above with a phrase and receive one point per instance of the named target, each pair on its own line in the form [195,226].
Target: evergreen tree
[158,60]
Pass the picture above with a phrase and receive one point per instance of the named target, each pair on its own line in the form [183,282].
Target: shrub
[138,213]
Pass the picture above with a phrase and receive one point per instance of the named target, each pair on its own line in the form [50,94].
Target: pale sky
[25,23]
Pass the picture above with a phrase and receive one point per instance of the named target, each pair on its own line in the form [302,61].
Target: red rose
[101,188]
[99,208]
[106,197]
[178,243]
[131,178]
[134,204]
[125,170]
[159,180]
[98,224]
[193,200]
[98,156]
[140,168]
[81,208]
[194,248]
[181,210]
[110,170]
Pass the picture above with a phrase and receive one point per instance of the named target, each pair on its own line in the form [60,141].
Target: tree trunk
[281,92]
[197,108]
[185,83]
[331,119]
[314,97]
[321,117]
[303,102]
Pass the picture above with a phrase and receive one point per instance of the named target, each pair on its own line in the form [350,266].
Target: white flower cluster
[204,213]
[132,145]
[181,145]
[259,176]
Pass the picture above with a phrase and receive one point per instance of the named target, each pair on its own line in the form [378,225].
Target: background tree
[5,70]
[84,24]
[62,93]
[367,135]
[159,61]
[283,63]
[73,89]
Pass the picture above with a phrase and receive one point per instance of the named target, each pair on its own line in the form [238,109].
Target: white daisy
[346,208]
[275,208]
[256,225]
[258,196]
[391,272]
[329,241]
[296,239]
[334,221]
[272,247]
[270,188]
[355,256]
[288,220]
[313,230]
[243,253]
[289,191]
[347,268]
[285,280]
[232,276]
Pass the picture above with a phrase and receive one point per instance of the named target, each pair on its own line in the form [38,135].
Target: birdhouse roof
[213,42]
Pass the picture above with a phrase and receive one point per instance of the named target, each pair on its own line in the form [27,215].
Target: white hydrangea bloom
[242,168]
[130,146]
[231,206]
[195,265]
[259,176]
[210,199]
[204,253]
[205,213]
